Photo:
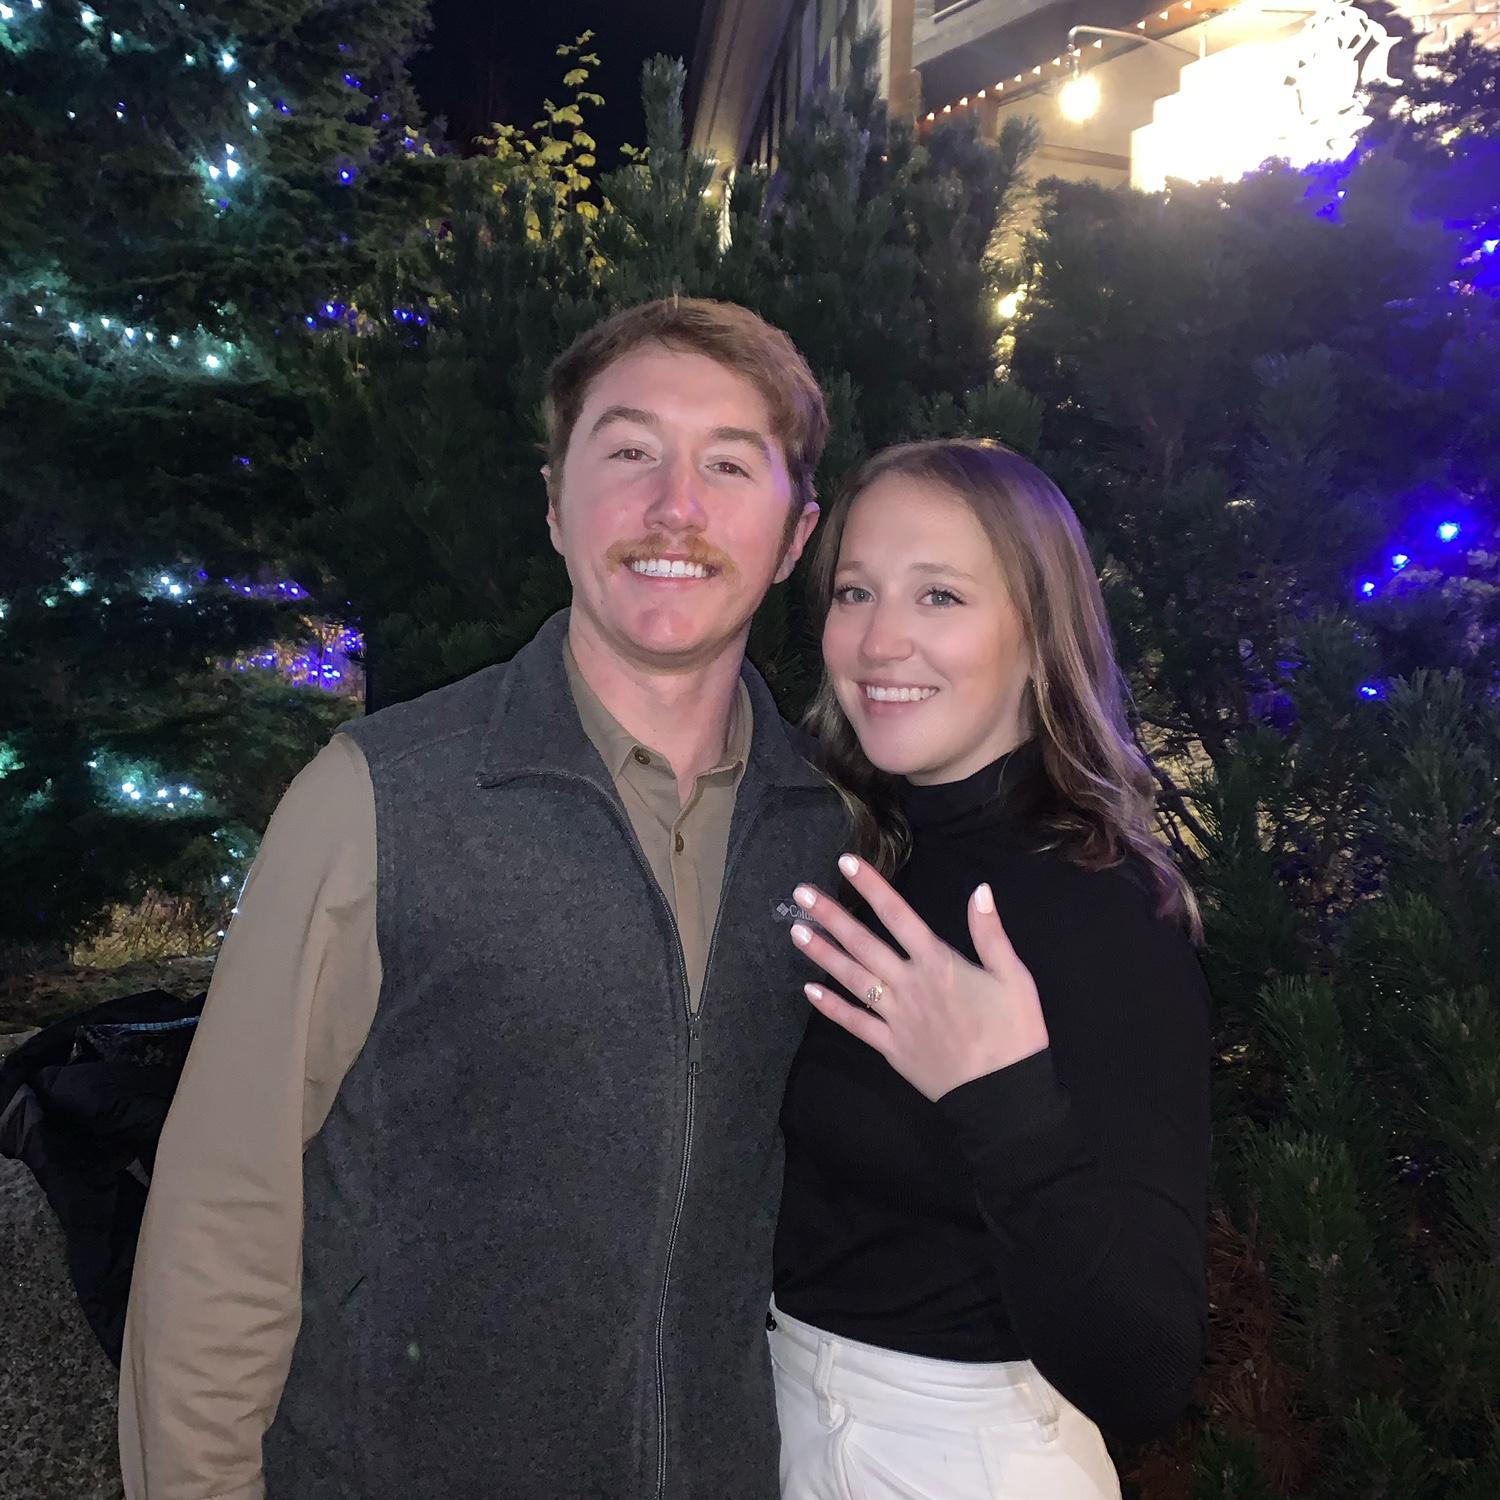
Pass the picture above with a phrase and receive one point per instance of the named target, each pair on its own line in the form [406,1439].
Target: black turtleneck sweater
[1053,1210]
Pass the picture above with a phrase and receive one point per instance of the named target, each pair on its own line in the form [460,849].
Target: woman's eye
[942,597]
[851,593]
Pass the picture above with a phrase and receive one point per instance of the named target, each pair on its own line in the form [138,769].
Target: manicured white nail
[806,897]
[984,899]
[813,991]
[849,865]
[801,935]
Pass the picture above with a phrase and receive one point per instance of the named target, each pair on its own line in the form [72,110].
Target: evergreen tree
[872,252]
[1262,398]
[189,192]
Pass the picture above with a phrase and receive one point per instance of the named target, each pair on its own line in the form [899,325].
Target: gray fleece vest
[537,1250]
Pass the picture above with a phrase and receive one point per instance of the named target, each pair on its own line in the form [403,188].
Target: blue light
[1447,530]
[346,175]
[1490,246]
[1367,588]
[1371,690]
[311,321]
[1399,560]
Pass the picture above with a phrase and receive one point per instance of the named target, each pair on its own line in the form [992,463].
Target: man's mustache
[689,549]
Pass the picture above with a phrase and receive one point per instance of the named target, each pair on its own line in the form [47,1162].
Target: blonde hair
[1076,699]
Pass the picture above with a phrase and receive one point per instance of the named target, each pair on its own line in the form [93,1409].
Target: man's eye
[630,453]
[943,598]
[728,466]
[851,593]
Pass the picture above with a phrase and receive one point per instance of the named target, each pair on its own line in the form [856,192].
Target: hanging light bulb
[1078,99]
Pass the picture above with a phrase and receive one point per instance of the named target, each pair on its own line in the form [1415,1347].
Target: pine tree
[872,252]
[190,191]
[1262,398]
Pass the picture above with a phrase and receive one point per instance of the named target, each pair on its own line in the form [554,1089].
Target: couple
[471,1186]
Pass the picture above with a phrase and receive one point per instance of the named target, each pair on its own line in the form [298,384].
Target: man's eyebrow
[635,414]
[746,435]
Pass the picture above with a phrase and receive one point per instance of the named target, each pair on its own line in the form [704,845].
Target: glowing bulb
[252,109]
[127,787]
[130,333]
[214,173]
[182,791]
[1399,560]
[161,793]
[6,13]
[227,61]
[1367,588]
[77,586]
[75,328]
[1447,531]
[135,796]
[104,322]
[232,169]
[1078,99]
[174,589]
[212,361]
[174,341]
[87,18]
[1010,305]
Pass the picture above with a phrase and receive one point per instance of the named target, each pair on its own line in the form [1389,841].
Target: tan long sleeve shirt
[215,1304]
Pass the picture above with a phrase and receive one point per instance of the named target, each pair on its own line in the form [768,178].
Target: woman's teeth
[898,694]
[656,567]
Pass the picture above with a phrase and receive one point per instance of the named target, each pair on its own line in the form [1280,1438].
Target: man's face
[671,510]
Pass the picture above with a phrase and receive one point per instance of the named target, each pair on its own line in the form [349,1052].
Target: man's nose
[677,504]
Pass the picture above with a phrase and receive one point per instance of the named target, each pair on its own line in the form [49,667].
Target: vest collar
[534,725]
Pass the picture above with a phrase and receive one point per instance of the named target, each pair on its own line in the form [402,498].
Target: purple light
[1399,560]
[351,80]
[282,107]
[1447,530]
[242,459]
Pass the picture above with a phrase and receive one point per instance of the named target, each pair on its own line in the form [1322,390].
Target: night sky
[491,60]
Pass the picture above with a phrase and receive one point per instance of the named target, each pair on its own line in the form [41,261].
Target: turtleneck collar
[998,793]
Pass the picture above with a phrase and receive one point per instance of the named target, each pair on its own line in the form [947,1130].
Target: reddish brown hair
[729,335]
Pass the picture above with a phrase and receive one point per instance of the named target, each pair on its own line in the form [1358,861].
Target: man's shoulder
[456,711]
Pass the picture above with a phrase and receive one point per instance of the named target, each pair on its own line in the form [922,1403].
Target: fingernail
[984,899]
[801,935]
[813,991]
[805,896]
[849,865]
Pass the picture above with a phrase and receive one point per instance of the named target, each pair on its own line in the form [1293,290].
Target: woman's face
[925,649]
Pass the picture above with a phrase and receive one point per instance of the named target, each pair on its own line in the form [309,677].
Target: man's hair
[729,335]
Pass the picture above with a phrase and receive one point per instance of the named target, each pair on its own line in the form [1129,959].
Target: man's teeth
[658,567]
[898,694]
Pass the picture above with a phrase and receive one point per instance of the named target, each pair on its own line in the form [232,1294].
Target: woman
[991,1237]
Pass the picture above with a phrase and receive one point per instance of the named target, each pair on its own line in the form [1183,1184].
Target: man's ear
[553,524]
[800,533]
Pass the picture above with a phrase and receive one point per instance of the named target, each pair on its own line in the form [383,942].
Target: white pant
[861,1423]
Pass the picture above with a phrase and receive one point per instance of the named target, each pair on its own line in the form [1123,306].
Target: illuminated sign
[1300,97]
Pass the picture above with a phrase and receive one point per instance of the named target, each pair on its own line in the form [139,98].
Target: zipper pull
[695,1047]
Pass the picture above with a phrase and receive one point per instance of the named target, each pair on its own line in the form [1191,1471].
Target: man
[484,1096]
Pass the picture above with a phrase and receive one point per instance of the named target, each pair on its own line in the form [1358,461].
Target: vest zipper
[695,1064]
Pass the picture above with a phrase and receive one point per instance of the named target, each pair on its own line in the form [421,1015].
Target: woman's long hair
[1075,701]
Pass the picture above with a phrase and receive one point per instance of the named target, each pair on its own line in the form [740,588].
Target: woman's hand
[937,1019]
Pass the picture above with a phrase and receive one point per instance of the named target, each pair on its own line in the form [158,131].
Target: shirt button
[679,843]
[641,758]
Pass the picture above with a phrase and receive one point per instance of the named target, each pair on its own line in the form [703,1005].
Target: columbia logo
[789,911]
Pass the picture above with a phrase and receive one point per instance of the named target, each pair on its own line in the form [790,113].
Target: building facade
[1189,89]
